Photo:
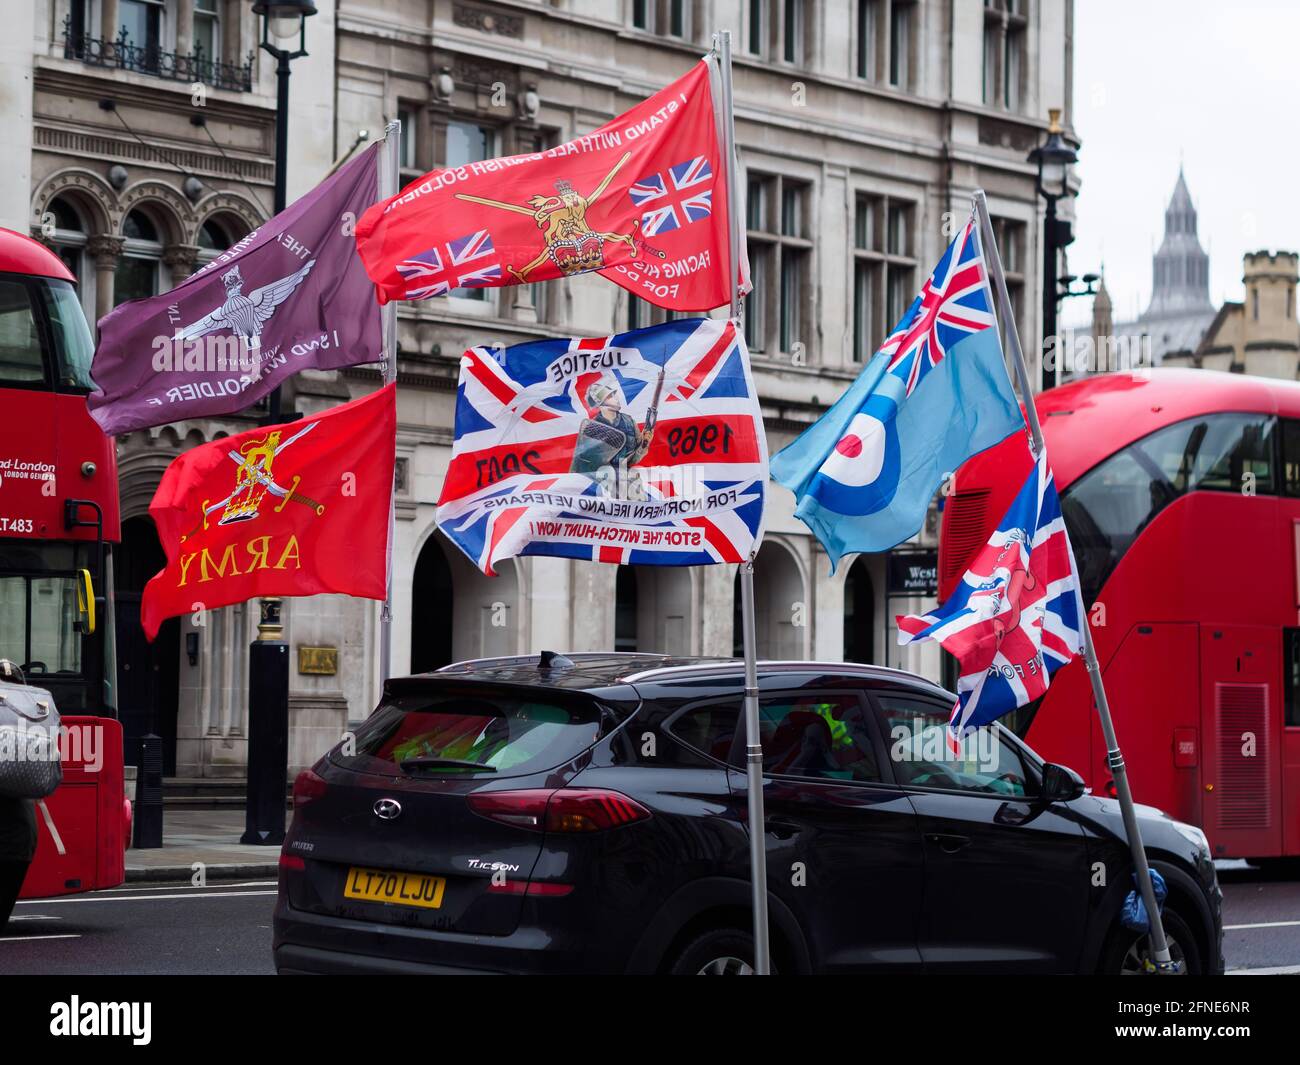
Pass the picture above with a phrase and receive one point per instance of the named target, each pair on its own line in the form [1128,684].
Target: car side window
[709,729]
[923,755]
[818,735]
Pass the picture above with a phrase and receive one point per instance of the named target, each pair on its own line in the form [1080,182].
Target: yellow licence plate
[401,889]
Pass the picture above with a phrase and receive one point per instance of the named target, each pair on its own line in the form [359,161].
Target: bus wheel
[1128,953]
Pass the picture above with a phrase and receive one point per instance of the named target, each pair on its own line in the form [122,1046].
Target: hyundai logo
[388,809]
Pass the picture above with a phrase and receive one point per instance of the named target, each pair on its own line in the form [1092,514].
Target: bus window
[1108,507]
[1234,447]
[38,624]
[73,346]
[1291,676]
[1290,457]
[20,340]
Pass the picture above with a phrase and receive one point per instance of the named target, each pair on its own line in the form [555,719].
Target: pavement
[207,838]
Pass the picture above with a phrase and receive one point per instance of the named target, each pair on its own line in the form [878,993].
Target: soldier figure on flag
[609,442]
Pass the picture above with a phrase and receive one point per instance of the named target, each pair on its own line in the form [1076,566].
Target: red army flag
[294,509]
[642,200]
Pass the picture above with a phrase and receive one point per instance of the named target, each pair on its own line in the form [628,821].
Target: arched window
[218,234]
[69,235]
[139,270]
[69,240]
[213,236]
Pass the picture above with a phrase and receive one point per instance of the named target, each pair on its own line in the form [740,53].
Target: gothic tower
[1181,269]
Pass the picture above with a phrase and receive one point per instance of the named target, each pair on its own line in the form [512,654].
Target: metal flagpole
[753,744]
[388,186]
[1159,944]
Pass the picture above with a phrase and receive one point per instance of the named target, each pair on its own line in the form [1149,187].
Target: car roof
[584,670]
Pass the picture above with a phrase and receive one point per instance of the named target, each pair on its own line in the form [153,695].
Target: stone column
[105,250]
[716,610]
[185,27]
[181,260]
[108,26]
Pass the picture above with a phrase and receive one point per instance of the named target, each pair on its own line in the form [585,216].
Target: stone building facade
[863,126]
[1259,335]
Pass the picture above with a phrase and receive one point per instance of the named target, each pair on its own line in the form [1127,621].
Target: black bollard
[268,731]
[147,817]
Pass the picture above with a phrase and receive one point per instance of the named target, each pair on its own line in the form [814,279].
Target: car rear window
[462,735]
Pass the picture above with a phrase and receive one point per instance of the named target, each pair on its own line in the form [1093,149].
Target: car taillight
[292,862]
[1111,791]
[523,809]
[560,810]
[582,810]
[306,787]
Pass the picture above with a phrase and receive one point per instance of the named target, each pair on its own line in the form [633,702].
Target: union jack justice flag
[642,448]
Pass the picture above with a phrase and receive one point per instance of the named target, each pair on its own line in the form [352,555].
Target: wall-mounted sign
[319,660]
[913,573]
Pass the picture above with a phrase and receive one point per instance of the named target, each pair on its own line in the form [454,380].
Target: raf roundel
[858,457]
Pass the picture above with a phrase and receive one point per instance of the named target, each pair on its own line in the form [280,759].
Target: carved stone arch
[226,203]
[89,192]
[142,459]
[168,206]
[185,434]
[793,545]
[166,436]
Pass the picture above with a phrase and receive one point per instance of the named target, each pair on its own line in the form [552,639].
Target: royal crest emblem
[254,480]
[571,244]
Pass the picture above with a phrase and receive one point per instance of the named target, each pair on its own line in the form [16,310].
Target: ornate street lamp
[283,21]
[1053,158]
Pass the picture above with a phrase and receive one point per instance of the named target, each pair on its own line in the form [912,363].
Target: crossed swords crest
[254,471]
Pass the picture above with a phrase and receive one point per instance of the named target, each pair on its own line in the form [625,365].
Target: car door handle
[781,828]
[948,843]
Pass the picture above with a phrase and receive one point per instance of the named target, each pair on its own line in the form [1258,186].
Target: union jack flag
[681,195]
[1017,615]
[456,264]
[952,304]
[682,480]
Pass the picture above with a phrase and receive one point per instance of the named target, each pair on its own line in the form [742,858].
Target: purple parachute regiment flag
[292,295]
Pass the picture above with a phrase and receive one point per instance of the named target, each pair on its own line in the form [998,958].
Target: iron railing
[122,54]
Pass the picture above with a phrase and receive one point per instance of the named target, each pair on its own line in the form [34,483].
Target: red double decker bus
[58,522]
[1181,492]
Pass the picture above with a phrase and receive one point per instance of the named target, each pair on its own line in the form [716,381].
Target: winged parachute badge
[244,315]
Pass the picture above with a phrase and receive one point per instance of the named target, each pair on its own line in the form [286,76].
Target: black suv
[587,813]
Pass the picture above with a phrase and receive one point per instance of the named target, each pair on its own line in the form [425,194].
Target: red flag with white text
[642,200]
[294,509]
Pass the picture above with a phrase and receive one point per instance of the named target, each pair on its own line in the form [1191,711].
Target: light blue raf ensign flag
[933,395]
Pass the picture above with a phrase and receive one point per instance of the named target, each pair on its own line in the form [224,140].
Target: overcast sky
[1210,82]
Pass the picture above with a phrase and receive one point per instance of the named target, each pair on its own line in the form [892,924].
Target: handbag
[29,742]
